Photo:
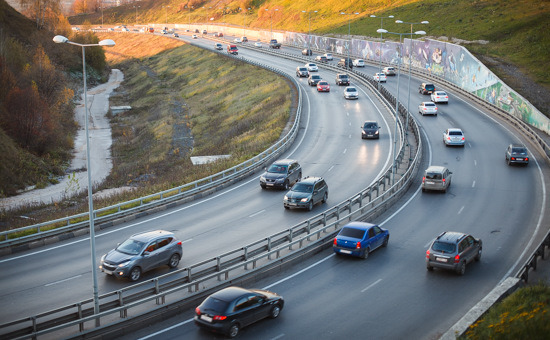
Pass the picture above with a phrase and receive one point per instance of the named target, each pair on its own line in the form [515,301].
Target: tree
[41,10]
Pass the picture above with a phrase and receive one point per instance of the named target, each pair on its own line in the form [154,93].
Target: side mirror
[146,253]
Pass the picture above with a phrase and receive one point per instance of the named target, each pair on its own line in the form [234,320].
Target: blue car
[359,239]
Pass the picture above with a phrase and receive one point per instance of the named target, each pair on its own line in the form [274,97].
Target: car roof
[451,236]
[151,235]
[517,145]
[285,161]
[230,293]
[310,179]
[360,225]
[435,168]
[454,129]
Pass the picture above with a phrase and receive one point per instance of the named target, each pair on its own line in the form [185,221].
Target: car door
[378,236]
[246,309]
[149,257]
[164,251]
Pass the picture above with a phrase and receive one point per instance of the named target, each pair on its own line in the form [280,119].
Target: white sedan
[351,92]
[311,67]
[258,44]
[329,56]
[381,77]
[237,40]
[195,36]
[439,97]
[358,63]
[453,137]
[427,108]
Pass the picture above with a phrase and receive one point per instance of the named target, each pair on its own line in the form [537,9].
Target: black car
[307,51]
[370,129]
[342,79]
[232,308]
[453,251]
[281,174]
[314,79]
[517,154]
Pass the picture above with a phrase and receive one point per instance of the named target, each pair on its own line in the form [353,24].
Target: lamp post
[136,7]
[244,19]
[410,65]
[271,20]
[308,26]
[166,13]
[107,42]
[349,35]
[380,50]
[381,30]
[102,14]
[189,7]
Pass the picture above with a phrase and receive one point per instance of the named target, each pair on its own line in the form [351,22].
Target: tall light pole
[380,49]
[136,7]
[381,30]
[271,19]
[189,7]
[309,27]
[410,65]
[349,35]
[244,19]
[101,13]
[166,13]
[107,42]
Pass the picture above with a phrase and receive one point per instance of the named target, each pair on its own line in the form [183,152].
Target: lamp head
[381,30]
[59,39]
[107,42]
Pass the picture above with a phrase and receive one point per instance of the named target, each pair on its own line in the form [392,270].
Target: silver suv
[436,178]
[281,174]
[142,252]
[306,193]
[452,250]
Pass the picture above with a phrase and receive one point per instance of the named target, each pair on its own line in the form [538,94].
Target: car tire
[287,184]
[135,274]
[461,270]
[174,261]
[429,268]
[478,256]
[325,198]
[365,254]
[275,311]
[386,240]
[263,186]
[299,177]
[287,207]
[233,330]
[310,205]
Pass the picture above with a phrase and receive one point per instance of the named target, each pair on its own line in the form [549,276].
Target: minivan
[436,178]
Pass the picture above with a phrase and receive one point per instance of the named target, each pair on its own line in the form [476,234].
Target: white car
[427,108]
[257,44]
[453,137]
[358,63]
[389,71]
[439,97]
[237,40]
[218,46]
[311,67]
[329,56]
[195,36]
[350,92]
[381,77]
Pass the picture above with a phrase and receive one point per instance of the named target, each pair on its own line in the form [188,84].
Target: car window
[130,247]
[151,247]
[429,104]
[277,168]
[462,246]
[164,242]
[519,150]
[444,247]
[352,232]
[470,240]
[212,304]
[377,230]
[455,133]
[434,175]
[301,187]
[371,233]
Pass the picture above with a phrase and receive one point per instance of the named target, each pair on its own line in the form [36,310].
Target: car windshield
[343,76]
[214,306]
[278,169]
[429,104]
[434,175]
[323,83]
[130,247]
[444,247]
[352,232]
[315,77]
[301,187]
[455,133]
[351,89]
[430,87]
[371,126]
[303,69]
[519,150]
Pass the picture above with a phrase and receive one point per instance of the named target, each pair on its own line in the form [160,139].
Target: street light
[309,26]
[380,49]
[271,20]
[136,7]
[381,30]
[166,13]
[244,19]
[59,39]
[349,35]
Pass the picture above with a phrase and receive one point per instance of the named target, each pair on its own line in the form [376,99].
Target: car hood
[116,257]
[297,195]
[273,176]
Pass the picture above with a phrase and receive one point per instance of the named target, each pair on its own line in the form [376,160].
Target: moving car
[281,174]
[453,251]
[307,51]
[237,40]
[389,71]
[321,59]
[175,35]
[439,97]
[350,92]
[426,88]
[204,32]
[218,34]
[195,36]
[328,56]
[323,86]
[358,63]
[517,154]
[381,77]
[257,44]
[370,129]
[453,136]
[273,43]
[342,79]
[436,178]
[302,71]
[427,108]
[345,62]
[244,39]
[313,79]
[218,46]
[359,239]
[306,193]
[230,309]
[142,252]
[232,49]
[311,67]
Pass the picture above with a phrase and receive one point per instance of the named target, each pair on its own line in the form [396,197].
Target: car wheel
[263,186]
[174,261]
[287,207]
[478,256]
[310,205]
[385,244]
[461,268]
[135,274]
[287,184]
[299,177]
[325,197]
[365,254]
[275,311]
[233,330]
[430,268]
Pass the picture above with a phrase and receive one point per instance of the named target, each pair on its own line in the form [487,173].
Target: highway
[390,295]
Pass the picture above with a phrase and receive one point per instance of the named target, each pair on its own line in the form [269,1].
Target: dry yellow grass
[133,45]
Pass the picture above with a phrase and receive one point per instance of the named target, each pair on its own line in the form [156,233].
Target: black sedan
[232,308]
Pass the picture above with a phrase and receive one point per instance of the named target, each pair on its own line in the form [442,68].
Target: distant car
[218,34]
[426,88]
[307,51]
[195,36]
[175,35]
[358,63]
[313,79]
[282,173]
[453,251]
[257,44]
[244,39]
[323,86]
[350,92]
[346,63]
[439,97]
[204,32]
[218,46]
[342,79]
[517,154]
[370,130]
[110,29]
[230,309]
[453,136]
[302,71]
[389,71]
[306,193]
[380,77]
[359,239]
[311,67]
[124,29]
[237,40]
[427,108]
[142,252]
[328,56]
[321,59]
[436,178]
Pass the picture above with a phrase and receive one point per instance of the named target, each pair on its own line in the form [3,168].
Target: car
[389,71]
[436,178]
[306,193]
[313,79]
[345,62]
[194,36]
[517,154]
[381,77]
[453,136]
[204,32]
[302,71]
[283,173]
[323,86]
[329,56]
[232,49]
[197,30]
[244,39]
[427,108]
[218,46]
[164,32]
[359,239]
[237,40]
[142,252]
[321,59]
[175,35]
[342,79]
[311,67]
[370,130]
[426,88]
[257,44]
[453,250]
[350,92]
[439,97]
[110,29]
[358,63]
[124,29]
[218,34]
[307,51]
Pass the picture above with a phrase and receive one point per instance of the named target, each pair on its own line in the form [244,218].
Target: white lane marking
[278,337]
[371,285]
[349,136]
[60,281]
[345,150]
[330,169]
[299,272]
[460,210]
[475,162]
[473,184]
[255,214]
[166,329]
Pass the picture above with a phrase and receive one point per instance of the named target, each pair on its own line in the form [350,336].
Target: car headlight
[123,264]
[376,133]
[285,198]
[262,178]
[305,199]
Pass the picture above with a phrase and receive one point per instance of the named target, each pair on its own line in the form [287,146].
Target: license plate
[269,184]
[519,159]
[429,182]
[206,318]
[292,204]
[107,272]
[345,251]
[440,259]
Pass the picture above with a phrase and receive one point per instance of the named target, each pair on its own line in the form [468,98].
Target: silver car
[436,178]
[517,154]
[453,136]
[142,252]
[427,108]
[350,92]
[453,251]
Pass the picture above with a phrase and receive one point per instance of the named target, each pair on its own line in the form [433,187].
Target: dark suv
[281,174]
[342,79]
[306,193]
[346,63]
[453,250]
[426,88]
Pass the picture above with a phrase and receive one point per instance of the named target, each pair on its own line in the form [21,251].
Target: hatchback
[230,309]
[321,59]
[142,252]
[351,92]
[453,251]
[302,71]
[453,137]
[381,77]
[306,193]
[281,174]
[389,71]
[311,67]
[314,79]
[439,97]
[358,63]
[307,51]
[427,108]
[329,56]
[323,86]
[426,88]
[370,129]
[359,239]
[218,46]
[436,178]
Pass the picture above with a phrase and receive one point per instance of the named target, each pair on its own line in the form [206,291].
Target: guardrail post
[123,312]
[189,279]
[34,330]
[289,240]
[269,248]
[349,209]
[245,249]
[80,325]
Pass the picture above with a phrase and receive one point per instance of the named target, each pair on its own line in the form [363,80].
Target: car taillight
[179,243]
[436,108]
[335,242]
[198,311]
[448,137]
[358,246]
[513,158]
[443,180]
[428,253]
[423,179]
[219,317]
[526,158]
[457,258]
[462,138]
